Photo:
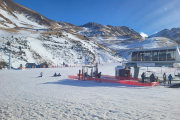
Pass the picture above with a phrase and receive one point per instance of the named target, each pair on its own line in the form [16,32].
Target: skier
[170,78]
[143,76]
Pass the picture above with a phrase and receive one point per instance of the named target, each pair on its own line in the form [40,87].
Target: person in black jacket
[99,75]
[164,78]
[152,78]
[59,74]
[143,76]
[41,74]
[55,74]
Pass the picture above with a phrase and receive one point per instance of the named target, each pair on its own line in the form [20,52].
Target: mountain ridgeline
[33,38]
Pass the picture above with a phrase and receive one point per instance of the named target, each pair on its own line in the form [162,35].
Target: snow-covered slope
[39,47]
[120,39]
[14,15]
[123,45]
[174,34]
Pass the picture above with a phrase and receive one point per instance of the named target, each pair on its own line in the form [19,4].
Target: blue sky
[147,16]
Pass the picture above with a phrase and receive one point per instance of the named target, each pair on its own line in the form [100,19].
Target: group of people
[56,74]
[153,79]
[41,74]
[169,77]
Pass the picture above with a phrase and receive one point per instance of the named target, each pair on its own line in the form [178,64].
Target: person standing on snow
[152,78]
[99,75]
[41,74]
[170,78]
[143,76]
[164,78]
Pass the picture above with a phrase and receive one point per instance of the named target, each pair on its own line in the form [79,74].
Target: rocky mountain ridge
[96,29]
[173,33]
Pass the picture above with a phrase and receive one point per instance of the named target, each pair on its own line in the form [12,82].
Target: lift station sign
[146,64]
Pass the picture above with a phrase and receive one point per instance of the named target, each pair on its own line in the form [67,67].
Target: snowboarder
[55,74]
[164,78]
[143,76]
[59,74]
[41,74]
[170,78]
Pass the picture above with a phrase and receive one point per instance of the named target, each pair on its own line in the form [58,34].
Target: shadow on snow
[79,83]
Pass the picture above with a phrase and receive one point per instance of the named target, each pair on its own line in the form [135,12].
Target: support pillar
[136,72]
[9,60]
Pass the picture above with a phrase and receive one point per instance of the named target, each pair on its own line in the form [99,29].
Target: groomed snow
[25,96]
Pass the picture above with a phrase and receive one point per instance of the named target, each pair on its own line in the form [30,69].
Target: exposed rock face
[93,25]
[96,30]
[174,34]
[69,27]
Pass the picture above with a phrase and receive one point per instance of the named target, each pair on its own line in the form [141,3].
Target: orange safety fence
[127,82]
[78,74]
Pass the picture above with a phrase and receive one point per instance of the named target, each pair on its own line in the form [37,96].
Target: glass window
[140,56]
[147,56]
[162,55]
[134,56]
[155,55]
[171,55]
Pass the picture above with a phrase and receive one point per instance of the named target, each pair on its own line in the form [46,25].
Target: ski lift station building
[158,57]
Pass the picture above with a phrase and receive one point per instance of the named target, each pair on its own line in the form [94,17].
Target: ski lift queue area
[158,57]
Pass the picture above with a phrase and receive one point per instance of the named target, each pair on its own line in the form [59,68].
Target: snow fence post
[79,74]
[82,74]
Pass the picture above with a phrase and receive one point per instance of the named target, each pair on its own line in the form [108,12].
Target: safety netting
[135,82]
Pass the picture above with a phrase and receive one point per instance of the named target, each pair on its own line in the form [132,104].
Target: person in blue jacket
[170,78]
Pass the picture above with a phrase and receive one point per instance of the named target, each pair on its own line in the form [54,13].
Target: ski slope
[52,49]
[25,96]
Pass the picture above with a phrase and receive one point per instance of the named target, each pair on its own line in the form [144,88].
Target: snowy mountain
[52,48]
[123,47]
[174,34]
[33,38]
[99,30]
[14,15]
